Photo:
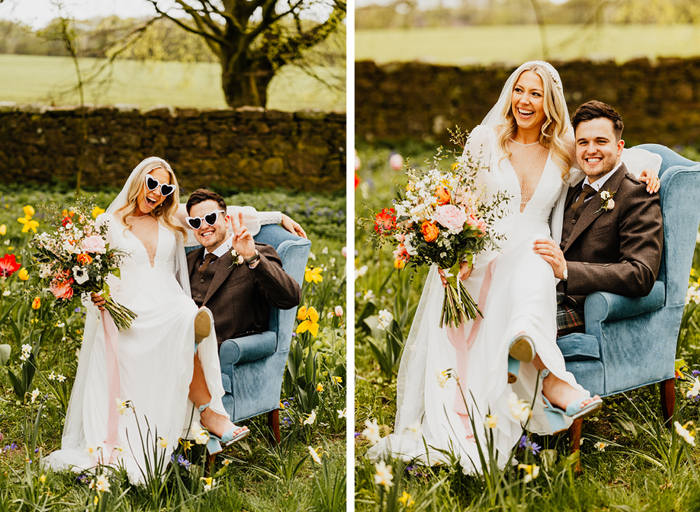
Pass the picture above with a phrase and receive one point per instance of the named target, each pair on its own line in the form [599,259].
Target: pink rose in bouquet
[450,216]
[94,244]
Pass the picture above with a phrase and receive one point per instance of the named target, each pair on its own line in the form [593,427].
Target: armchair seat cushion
[248,348]
[579,347]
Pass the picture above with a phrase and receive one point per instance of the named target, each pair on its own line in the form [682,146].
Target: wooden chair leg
[668,399]
[575,439]
[273,420]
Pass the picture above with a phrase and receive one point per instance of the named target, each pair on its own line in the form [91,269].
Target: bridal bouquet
[76,259]
[442,219]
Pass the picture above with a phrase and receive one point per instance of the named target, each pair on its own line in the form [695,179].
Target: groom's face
[597,148]
[210,237]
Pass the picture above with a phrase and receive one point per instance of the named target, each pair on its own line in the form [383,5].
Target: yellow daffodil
[42,478]
[406,500]
[319,388]
[313,275]
[3,230]
[28,211]
[97,211]
[531,471]
[337,380]
[23,274]
[28,224]
[186,445]
[310,322]
[209,482]
[301,314]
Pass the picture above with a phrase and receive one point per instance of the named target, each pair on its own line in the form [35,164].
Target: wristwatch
[253,259]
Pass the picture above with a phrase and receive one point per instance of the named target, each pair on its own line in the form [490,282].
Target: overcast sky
[37,13]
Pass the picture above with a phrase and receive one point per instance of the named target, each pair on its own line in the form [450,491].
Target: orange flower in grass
[84,259]
[430,231]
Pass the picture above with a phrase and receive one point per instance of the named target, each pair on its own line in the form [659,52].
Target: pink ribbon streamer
[113,383]
[456,337]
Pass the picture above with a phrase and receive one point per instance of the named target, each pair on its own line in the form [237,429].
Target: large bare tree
[254,38]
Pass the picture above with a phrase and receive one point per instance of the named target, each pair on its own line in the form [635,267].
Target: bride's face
[527,101]
[149,200]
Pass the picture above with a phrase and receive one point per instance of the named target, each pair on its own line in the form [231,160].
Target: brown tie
[207,261]
[587,191]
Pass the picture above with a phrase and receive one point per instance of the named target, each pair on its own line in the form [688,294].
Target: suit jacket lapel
[224,268]
[590,211]
[571,193]
[192,261]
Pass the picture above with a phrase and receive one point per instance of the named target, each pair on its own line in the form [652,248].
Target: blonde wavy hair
[164,212]
[554,127]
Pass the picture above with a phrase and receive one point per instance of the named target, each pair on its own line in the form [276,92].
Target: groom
[612,235]
[238,279]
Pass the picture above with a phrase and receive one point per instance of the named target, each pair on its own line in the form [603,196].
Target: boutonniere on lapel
[607,202]
[237,258]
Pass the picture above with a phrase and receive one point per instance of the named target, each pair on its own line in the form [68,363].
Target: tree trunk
[245,81]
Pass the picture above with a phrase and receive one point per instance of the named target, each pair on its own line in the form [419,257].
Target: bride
[525,145]
[130,396]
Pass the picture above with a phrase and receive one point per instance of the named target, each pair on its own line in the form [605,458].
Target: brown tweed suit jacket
[240,297]
[616,251]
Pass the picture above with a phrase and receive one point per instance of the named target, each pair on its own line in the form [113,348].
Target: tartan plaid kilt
[569,315]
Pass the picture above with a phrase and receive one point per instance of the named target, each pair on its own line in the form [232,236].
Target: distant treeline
[100,38]
[415,14]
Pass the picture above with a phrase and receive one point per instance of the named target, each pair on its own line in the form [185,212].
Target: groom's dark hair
[595,110]
[201,194]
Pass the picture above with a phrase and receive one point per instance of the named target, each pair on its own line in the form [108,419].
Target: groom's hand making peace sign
[242,240]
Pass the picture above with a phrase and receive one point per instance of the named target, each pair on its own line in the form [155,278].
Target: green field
[47,80]
[514,44]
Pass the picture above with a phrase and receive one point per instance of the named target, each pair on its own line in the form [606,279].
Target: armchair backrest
[294,253]
[680,207]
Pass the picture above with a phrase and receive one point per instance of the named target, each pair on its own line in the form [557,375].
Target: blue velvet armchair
[631,342]
[252,367]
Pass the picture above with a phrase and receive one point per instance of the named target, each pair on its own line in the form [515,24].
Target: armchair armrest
[606,306]
[248,348]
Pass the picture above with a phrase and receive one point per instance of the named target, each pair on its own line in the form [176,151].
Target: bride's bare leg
[557,391]
[199,395]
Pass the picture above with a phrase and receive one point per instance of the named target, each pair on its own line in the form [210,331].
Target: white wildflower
[383,475]
[385,319]
[372,432]
[520,409]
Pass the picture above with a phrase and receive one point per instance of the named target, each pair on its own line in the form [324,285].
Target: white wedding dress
[155,358]
[515,289]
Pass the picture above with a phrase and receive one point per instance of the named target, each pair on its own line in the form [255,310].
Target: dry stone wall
[659,102]
[244,149]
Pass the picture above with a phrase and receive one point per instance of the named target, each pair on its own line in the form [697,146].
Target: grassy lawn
[641,465]
[49,80]
[514,44]
[251,475]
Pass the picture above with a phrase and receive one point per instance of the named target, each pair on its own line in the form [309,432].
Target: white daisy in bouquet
[76,259]
[443,219]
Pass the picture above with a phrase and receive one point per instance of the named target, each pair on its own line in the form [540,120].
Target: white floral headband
[552,72]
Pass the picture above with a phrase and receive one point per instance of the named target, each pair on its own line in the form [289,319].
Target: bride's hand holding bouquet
[442,219]
[76,259]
